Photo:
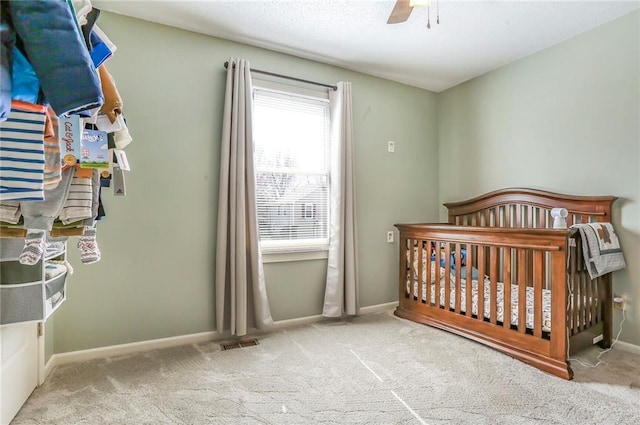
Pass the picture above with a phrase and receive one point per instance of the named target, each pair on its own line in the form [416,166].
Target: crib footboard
[503,287]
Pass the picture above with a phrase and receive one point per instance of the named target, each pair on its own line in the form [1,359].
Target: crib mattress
[546,300]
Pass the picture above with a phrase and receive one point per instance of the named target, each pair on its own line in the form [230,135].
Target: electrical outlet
[391,146]
[390,237]
[619,302]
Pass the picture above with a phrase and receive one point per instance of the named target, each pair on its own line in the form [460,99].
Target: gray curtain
[341,293]
[241,296]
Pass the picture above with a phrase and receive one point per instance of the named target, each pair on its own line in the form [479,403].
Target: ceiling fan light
[419,3]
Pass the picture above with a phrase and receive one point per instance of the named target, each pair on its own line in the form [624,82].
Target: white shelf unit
[26,295]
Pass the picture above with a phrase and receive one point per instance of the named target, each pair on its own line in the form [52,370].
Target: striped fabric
[79,202]
[22,153]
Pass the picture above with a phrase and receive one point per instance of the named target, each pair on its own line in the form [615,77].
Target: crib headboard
[528,208]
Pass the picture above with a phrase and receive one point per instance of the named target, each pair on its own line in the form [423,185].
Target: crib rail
[441,279]
[527,208]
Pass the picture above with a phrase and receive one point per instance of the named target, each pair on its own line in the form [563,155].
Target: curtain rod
[273,74]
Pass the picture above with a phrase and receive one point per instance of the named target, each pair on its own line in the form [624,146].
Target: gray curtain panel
[341,293]
[241,295]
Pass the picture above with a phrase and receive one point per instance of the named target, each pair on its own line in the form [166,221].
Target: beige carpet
[374,369]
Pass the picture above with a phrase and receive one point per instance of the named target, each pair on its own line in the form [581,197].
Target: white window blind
[292,141]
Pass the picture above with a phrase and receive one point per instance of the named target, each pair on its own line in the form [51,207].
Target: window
[308,211]
[291,134]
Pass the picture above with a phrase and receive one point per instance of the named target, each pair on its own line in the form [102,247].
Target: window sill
[288,256]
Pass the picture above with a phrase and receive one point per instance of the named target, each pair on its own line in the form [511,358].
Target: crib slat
[458,281]
[529,216]
[412,261]
[487,218]
[578,284]
[404,272]
[447,276]
[478,219]
[506,308]
[588,299]
[537,293]
[574,270]
[597,307]
[507,215]
[436,295]
[493,276]
[420,270]
[429,277]
[601,299]
[589,304]
[546,277]
[469,291]
[582,306]
[522,291]
[594,302]
[481,273]
[576,303]
[530,268]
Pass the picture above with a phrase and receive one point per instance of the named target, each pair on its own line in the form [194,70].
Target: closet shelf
[26,294]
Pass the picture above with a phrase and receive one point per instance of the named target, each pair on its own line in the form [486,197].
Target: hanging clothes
[52,42]
[22,153]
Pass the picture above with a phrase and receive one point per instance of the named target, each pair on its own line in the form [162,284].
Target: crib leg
[606,294]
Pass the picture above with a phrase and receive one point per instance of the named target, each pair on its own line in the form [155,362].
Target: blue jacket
[56,49]
[7,40]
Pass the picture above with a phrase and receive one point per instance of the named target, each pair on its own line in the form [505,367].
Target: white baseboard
[378,308]
[300,321]
[154,344]
[123,349]
[291,323]
[625,346]
[48,367]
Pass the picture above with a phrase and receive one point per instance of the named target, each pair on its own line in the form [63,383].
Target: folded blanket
[52,270]
[601,248]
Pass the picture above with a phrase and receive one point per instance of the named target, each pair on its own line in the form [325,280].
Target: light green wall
[565,119]
[156,276]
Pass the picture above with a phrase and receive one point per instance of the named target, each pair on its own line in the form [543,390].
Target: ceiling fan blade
[400,12]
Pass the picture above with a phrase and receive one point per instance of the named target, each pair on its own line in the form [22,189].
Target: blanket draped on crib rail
[601,248]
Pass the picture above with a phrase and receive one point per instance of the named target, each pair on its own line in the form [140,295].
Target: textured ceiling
[473,37]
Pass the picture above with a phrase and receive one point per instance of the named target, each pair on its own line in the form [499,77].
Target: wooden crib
[539,302]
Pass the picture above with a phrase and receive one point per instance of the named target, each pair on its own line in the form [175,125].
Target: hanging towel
[22,153]
[601,248]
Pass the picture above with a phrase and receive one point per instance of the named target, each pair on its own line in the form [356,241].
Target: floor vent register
[239,344]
